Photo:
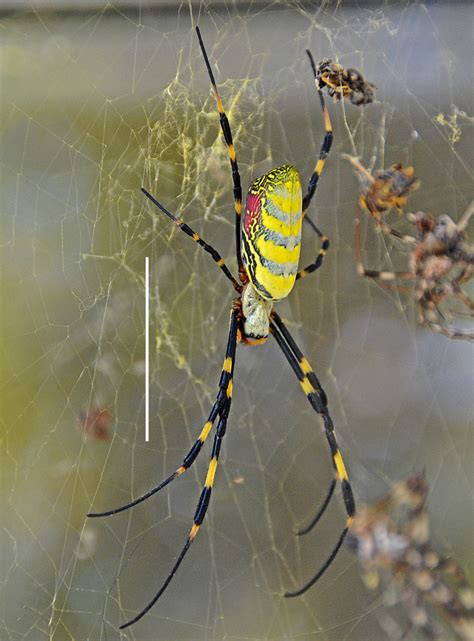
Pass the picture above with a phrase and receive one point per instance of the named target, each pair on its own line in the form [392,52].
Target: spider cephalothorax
[344,83]
[256,313]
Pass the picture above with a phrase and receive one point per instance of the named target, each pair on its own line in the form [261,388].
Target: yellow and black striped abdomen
[271,232]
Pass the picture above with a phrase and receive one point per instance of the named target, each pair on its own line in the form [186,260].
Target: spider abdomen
[271,232]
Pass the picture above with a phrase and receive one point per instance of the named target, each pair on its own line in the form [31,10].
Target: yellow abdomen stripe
[271,232]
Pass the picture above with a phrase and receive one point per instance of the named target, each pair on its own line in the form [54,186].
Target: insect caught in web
[268,243]
[344,83]
[441,263]
[392,541]
[385,191]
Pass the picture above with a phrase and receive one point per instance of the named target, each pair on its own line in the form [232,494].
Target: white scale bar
[147,348]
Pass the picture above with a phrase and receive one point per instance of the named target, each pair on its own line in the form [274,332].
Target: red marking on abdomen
[252,216]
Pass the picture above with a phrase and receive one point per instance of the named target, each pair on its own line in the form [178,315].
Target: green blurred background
[95,103]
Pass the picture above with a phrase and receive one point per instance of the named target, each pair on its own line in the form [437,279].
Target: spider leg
[225,126]
[355,162]
[383,276]
[464,298]
[312,267]
[318,401]
[320,512]
[216,257]
[433,318]
[188,460]
[314,381]
[388,230]
[325,147]
[313,181]
[464,220]
[225,390]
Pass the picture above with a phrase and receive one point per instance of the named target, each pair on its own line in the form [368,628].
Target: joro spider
[268,247]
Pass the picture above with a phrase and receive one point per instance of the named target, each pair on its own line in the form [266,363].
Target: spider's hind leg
[225,396]
[317,398]
[217,410]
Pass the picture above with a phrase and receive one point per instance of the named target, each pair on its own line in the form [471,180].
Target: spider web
[96,104]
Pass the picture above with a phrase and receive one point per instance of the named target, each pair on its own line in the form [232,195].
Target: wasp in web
[268,243]
[344,83]
[441,262]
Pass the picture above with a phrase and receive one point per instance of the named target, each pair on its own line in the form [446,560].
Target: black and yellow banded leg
[225,396]
[302,273]
[313,181]
[303,363]
[325,147]
[186,464]
[225,126]
[193,453]
[216,257]
[318,401]
[317,397]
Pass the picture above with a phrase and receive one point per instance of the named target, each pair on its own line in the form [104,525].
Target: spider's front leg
[227,133]
[213,253]
[325,147]
[314,179]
